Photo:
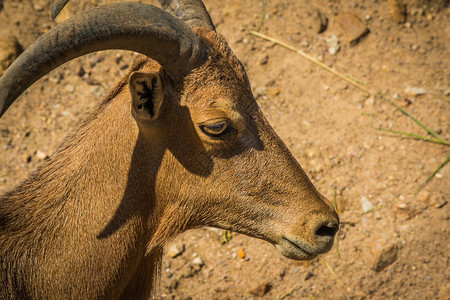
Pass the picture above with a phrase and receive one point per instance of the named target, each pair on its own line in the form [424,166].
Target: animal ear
[147,94]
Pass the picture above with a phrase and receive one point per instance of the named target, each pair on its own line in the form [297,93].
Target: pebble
[80,71]
[9,51]
[304,43]
[41,155]
[334,45]
[175,250]
[261,290]
[383,251]
[423,196]
[415,91]
[198,263]
[38,7]
[352,26]
[366,204]
[321,21]
[398,11]
[264,60]
[70,88]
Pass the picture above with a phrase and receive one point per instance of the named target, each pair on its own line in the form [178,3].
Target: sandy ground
[400,248]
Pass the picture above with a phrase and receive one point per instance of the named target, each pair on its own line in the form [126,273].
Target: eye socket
[216,130]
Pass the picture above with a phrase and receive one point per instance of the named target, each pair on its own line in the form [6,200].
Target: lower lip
[298,247]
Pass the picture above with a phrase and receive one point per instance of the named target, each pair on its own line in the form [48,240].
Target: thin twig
[415,136]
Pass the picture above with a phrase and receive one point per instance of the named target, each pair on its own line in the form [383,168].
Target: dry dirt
[399,249]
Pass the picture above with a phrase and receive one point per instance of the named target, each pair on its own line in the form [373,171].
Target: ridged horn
[192,12]
[136,27]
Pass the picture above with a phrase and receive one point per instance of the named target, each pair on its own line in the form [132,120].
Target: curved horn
[192,12]
[129,26]
[57,6]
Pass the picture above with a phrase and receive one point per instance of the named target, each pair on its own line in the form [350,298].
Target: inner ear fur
[147,92]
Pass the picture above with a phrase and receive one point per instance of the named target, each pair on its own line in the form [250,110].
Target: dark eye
[216,130]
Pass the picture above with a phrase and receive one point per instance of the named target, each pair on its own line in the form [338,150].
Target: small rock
[41,155]
[9,51]
[261,290]
[352,26]
[383,251]
[70,88]
[398,11]
[241,253]
[366,204]
[38,7]
[415,91]
[198,264]
[198,261]
[408,25]
[264,60]
[369,101]
[423,196]
[175,250]
[304,43]
[321,21]
[385,257]
[334,45]
[80,71]
[405,212]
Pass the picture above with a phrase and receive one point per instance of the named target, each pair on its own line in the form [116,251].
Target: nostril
[327,230]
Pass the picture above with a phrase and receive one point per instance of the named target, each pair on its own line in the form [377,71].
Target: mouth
[295,249]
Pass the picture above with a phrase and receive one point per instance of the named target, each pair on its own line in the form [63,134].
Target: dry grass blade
[332,272]
[290,291]
[263,15]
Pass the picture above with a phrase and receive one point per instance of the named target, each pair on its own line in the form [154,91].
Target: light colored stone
[423,196]
[333,45]
[415,91]
[41,155]
[366,204]
[175,250]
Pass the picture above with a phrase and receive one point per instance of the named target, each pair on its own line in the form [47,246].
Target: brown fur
[92,221]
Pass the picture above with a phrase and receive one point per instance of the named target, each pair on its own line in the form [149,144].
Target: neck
[85,213]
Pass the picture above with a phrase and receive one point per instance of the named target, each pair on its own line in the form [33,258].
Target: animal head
[223,165]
